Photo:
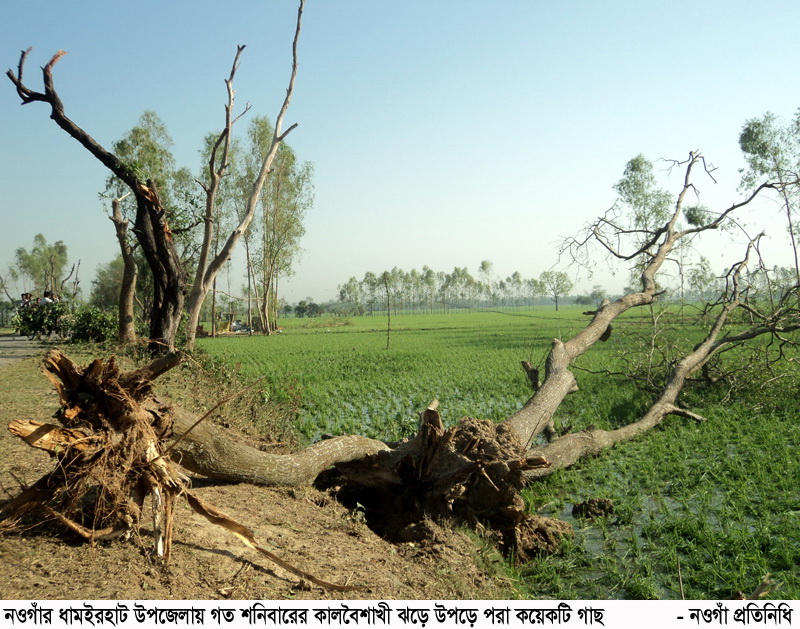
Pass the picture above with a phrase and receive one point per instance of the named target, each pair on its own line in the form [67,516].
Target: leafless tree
[151,227]
[207,268]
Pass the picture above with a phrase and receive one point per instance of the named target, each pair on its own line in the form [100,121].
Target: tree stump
[112,453]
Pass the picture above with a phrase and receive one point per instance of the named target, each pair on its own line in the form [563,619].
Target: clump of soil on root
[593,508]
[472,473]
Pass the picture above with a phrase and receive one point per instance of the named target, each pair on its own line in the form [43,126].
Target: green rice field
[702,510]
[345,379]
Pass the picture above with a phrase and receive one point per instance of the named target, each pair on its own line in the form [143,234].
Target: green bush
[38,321]
[85,323]
[89,323]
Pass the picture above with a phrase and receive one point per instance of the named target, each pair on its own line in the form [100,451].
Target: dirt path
[14,348]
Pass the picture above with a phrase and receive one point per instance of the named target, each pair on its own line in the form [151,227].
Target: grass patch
[345,380]
[720,498]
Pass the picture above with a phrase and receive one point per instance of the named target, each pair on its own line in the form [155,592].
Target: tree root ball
[472,473]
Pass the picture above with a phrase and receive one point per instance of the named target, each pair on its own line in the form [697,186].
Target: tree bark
[127,292]
[169,276]
[210,451]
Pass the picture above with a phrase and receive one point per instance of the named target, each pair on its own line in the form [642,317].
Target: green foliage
[84,324]
[772,152]
[147,151]
[649,206]
[106,284]
[42,266]
[38,321]
[555,284]
[697,215]
[769,149]
[106,287]
[90,324]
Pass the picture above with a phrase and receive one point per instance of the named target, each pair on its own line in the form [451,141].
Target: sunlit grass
[348,381]
[715,505]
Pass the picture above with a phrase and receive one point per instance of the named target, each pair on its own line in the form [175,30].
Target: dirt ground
[304,527]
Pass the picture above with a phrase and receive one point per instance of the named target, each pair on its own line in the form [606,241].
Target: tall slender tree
[287,196]
[772,152]
[208,267]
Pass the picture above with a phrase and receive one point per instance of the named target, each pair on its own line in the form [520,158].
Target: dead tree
[207,268]
[151,226]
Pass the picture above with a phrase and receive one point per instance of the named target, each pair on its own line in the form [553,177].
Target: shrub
[89,323]
[38,321]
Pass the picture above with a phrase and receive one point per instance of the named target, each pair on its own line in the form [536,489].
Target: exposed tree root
[110,456]
[472,473]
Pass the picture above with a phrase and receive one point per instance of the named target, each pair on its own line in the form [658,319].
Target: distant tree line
[438,291]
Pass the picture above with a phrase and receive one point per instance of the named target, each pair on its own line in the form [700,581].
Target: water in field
[711,505]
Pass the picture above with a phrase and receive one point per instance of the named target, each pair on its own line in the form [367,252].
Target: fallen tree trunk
[208,450]
[471,473]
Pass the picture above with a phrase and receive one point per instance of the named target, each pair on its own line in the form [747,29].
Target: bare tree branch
[151,227]
[559,381]
[208,270]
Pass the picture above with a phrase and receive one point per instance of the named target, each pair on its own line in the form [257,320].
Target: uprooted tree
[151,224]
[118,444]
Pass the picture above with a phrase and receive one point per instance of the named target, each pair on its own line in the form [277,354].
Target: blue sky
[442,132]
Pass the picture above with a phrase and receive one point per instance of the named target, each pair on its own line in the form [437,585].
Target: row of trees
[429,290]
